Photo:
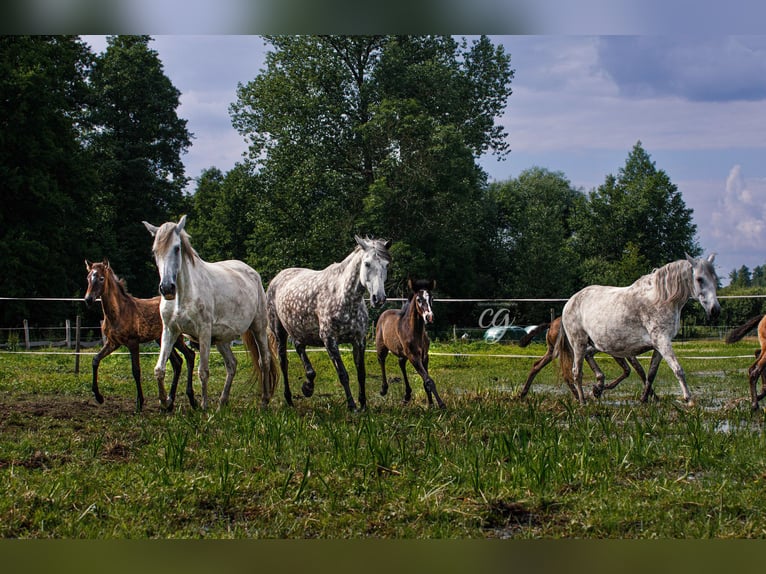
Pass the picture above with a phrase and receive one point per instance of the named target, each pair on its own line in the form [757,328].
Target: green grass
[488,466]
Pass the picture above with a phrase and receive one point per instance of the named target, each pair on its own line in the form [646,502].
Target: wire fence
[462,321]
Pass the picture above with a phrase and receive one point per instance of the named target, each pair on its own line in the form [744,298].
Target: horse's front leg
[203,369]
[428,383]
[332,349]
[407,389]
[665,348]
[135,362]
[382,354]
[169,337]
[230,361]
[189,356]
[107,349]
[358,348]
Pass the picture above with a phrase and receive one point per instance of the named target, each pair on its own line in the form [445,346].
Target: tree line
[368,135]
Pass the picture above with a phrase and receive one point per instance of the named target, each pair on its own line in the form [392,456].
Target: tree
[632,223]
[45,217]
[533,226]
[137,145]
[374,135]
[221,213]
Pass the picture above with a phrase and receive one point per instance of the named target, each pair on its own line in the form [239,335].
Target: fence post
[26,334]
[77,346]
[68,334]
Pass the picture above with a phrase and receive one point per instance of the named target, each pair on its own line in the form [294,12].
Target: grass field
[489,466]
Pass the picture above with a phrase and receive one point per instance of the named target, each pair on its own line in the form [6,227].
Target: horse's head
[704,284]
[374,268]
[423,299]
[96,280]
[167,249]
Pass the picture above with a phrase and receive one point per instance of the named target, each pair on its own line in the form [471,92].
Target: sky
[697,104]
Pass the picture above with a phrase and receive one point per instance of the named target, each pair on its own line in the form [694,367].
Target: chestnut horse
[550,340]
[403,333]
[130,321]
[757,368]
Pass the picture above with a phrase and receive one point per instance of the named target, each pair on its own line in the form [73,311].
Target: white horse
[212,303]
[324,308]
[627,321]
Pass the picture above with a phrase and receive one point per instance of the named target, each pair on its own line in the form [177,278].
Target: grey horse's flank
[627,321]
[325,308]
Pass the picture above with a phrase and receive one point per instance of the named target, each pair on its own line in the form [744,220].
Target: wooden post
[77,346]
[26,334]
[68,334]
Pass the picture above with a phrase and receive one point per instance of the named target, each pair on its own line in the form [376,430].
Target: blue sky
[579,104]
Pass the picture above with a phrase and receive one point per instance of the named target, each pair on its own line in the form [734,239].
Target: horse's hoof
[383,392]
[167,406]
[99,399]
[307,389]
[597,392]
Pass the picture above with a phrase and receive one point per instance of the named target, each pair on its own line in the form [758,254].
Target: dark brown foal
[403,333]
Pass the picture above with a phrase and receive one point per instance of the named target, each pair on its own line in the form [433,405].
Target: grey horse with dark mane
[628,321]
[325,308]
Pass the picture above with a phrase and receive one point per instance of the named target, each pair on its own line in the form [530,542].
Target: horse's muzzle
[714,312]
[88,300]
[168,291]
[377,300]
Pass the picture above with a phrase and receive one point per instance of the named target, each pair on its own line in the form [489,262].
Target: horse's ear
[88,265]
[689,258]
[432,285]
[409,284]
[711,258]
[387,244]
[181,224]
[360,242]
[106,263]
[152,228]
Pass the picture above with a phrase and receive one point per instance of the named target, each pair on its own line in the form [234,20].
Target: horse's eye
[177,248]
[367,264]
[101,279]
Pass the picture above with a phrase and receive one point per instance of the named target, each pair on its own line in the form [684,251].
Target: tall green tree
[45,175]
[375,135]
[632,223]
[221,213]
[137,146]
[534,230]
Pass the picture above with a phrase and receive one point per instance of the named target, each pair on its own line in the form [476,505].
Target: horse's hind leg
[654,365]
[230,361]
[428,383]
[281,335]
[598,386]
[308,385]
[536,368]
[625,373]
[107,349]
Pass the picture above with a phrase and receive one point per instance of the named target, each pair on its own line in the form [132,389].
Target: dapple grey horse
[325,308]
[627,321]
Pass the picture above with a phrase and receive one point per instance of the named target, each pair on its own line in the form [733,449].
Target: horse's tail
[257,359]
[527,339]
[563,351]
[737,334]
